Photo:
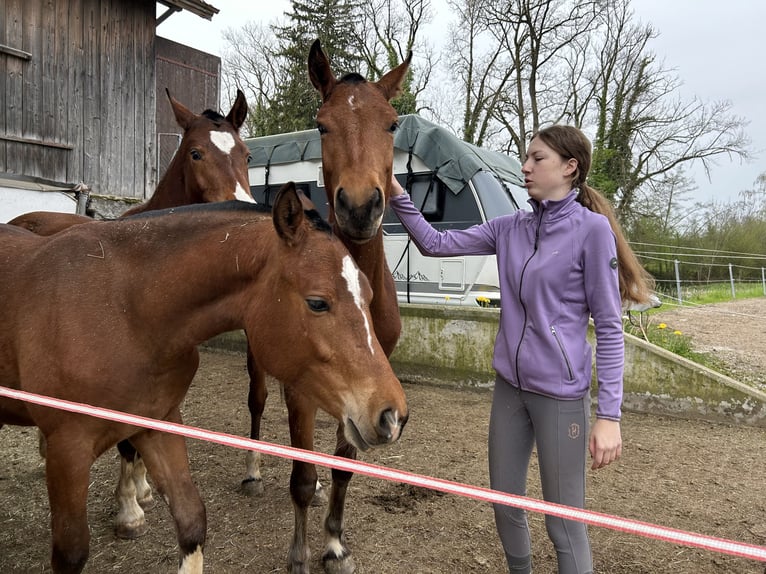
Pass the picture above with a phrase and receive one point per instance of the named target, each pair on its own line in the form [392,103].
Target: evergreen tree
[296,102]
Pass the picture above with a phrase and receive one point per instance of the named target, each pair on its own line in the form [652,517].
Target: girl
[559,265]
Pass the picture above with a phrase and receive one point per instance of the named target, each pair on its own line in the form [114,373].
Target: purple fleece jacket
[557,267]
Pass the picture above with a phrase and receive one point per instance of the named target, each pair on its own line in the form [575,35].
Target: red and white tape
[627,525]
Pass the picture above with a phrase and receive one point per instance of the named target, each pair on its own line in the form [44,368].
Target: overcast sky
[716,49]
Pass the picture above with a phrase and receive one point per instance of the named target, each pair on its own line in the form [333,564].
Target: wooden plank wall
[78,102]
[178,68]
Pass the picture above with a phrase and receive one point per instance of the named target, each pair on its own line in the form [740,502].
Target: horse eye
[322,129]
[318,305]
[196,155]
[249,158]
[394,127]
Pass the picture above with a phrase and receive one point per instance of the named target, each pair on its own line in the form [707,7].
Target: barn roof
[198,7]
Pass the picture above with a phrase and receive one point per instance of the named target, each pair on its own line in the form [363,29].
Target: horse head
[211,161]
[357,124]
[320,341]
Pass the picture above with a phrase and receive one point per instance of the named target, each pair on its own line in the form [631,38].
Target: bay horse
[158,285]
[210,165]
[357,125]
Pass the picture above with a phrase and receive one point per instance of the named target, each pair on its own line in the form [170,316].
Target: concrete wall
[453,346]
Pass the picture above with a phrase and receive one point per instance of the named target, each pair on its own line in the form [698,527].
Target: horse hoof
[130,532]
[338,565]
[252,487]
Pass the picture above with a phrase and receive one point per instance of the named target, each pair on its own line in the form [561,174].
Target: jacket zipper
[521,300]
[563,351]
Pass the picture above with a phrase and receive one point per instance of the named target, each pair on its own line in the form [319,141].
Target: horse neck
[370,256]
[210,287]
[371,259]
[170,192]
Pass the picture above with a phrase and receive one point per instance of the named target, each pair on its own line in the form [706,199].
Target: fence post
[731,280]
[678,283]
[763,280]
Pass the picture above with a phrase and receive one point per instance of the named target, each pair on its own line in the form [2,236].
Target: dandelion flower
[677,332]
[662,326]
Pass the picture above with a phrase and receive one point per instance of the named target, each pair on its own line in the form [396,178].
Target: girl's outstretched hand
[396,189]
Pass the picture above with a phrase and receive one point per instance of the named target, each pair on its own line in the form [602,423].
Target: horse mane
[317,221]
[352,78]
[233,206]
[214,116]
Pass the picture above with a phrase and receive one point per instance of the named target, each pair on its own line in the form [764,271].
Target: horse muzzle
[359,221]
[386,431]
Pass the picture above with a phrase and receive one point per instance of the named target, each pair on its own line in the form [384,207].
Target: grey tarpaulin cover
[455,160]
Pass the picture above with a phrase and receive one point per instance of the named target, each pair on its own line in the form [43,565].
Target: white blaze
[351,275]
[242,195]
[224,141]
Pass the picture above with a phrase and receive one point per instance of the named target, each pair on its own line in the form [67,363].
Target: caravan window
[495,196]
[427,193]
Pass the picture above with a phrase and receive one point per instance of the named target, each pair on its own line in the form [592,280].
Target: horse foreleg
[67,471]
[303,480]
[252,484]
[168,463]
[337,557]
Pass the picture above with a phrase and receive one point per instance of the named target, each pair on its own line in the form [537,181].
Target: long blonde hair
[569,142]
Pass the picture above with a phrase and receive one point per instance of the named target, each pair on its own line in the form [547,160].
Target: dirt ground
[689,475]
[733,332]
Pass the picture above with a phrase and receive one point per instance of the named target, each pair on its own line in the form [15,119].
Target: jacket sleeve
[602,293]
[476,240]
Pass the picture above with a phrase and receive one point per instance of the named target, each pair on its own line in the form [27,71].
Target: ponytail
[636,284]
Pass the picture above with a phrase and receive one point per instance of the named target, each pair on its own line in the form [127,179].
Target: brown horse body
[357,124]
[156,287]
[209,166]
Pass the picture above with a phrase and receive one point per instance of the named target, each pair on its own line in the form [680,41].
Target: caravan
[455,184]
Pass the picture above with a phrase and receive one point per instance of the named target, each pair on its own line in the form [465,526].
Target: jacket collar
[555,209]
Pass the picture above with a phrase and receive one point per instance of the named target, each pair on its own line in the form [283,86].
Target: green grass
[713,293]
[674,341]
[667,337]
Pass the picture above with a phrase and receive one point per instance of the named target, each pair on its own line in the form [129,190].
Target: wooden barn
[82,98]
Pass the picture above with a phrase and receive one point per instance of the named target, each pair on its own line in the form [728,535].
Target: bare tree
[482,67]
[251,62]
[540,36]
[269,62]
[387,31]
[644,131]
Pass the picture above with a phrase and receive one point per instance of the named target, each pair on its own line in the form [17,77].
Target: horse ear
[184,116]
[391,83]
[287,214]
[320,73]
[238,112]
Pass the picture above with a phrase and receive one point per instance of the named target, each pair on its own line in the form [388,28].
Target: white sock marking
[351,275]
[192,563]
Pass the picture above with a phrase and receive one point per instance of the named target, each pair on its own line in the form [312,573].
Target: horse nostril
[390,425]
[341,203]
